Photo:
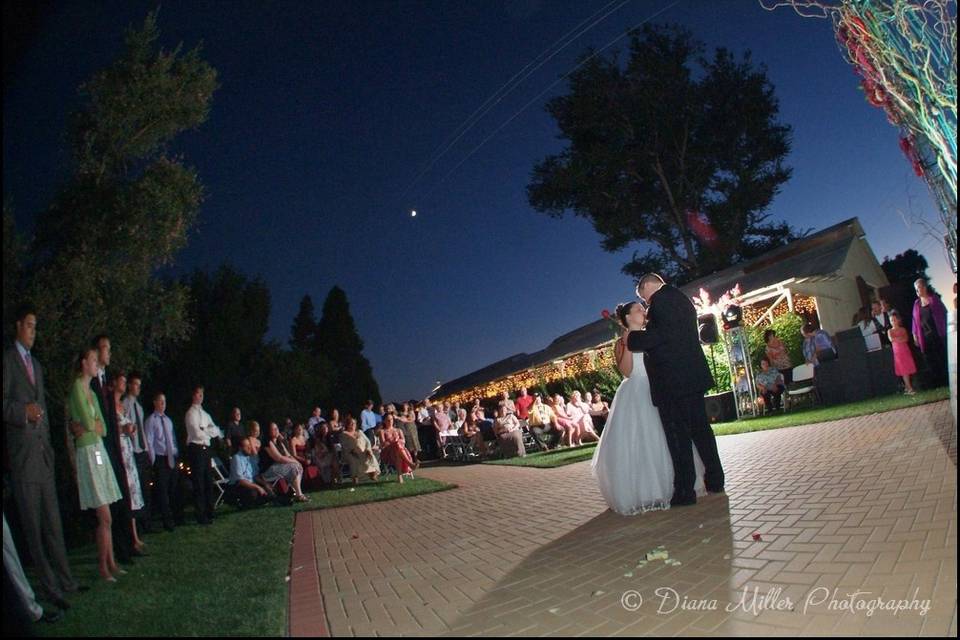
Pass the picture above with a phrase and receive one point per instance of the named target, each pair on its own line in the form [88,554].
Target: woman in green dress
[97,484]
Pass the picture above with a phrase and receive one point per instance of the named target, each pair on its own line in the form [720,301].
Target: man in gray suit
[32,461]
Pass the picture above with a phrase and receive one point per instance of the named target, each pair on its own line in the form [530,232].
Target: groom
[679,377]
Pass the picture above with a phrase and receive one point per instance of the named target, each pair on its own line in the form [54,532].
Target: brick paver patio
[856,512]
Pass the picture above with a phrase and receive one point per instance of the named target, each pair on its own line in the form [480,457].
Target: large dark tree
[338,340]
[124,211]
[303,333]
[905,268]
[680,153]
[12,260]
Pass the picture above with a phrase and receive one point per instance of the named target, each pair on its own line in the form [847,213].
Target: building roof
[819,255]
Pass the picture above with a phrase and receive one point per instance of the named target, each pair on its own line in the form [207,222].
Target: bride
[632,463]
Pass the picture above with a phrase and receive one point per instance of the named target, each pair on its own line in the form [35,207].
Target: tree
[671,150]
[906,268]
[124,211]
[338,340]
[12,260]
[303,333]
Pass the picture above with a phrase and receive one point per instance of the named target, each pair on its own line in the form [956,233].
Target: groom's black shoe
[715,490]
[683,501]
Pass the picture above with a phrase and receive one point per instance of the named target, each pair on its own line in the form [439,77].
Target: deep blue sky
[329,110]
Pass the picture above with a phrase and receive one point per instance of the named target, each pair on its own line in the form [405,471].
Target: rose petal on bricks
[757,538]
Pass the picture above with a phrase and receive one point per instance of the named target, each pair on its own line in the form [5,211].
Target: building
[826,276]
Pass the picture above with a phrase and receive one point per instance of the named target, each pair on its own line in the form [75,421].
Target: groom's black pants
[685,421]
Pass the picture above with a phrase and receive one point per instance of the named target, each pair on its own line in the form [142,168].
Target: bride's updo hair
[623,310]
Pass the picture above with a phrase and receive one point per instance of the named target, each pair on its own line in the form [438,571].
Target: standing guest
[163,452]
[127,431]
[543,423]
[930,330]
[425,414]
[358,451]
[903,363]
[134,411]
[316,418]
[333,431]
[777,353]
[441,425]
[770,384]
[881,320]
[95,478]
[867,326]
[243,491]
[408,424]
[378,414]
[571,430]
[509,434]
[368,420]
[21,586]
[393,451]
[235,431]
[287,430]
[282,465]
[599,409]
[200,431]
[31,461]
[522,404]
[461,417]
[817,345]
[120,510]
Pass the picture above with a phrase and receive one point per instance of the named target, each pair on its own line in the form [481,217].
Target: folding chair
[220,479]
[802,386]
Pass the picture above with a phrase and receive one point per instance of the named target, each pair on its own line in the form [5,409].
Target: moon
[413,214]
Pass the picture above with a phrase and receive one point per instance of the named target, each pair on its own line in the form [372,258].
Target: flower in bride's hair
[605,314]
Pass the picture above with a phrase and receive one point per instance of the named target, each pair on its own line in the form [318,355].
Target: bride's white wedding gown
[632,463]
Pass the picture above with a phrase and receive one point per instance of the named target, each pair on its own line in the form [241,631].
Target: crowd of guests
[883,328]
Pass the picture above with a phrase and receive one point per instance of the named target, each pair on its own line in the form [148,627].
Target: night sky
[328,111]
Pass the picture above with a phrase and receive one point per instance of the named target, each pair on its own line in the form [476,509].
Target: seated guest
[393,450]
[470,431]
[598,409]
[358,452]
[770,384]
[571,430]
[817,345]
[579,412]
[253,432]
[777,354]
[903,363]
[324,455]
[243,491]
[508,432]
[481,416]
[301,451]
[543,424]
[281,464]
[316,419]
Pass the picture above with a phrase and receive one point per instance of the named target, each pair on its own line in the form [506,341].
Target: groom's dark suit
[679,377]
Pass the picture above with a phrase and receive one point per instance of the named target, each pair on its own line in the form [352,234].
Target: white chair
[802,386]
[219,480]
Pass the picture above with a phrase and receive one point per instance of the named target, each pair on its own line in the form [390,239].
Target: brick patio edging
[305,612]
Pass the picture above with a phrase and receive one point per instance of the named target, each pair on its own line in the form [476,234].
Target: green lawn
[228,579]
[779,420]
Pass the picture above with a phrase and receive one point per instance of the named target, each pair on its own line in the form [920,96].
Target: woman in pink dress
[393,450]
[571,430]
[903,364]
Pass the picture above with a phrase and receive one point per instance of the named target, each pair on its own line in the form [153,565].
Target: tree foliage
[905,268]
[303,333]
[663,141]
[125,210]
[339,341]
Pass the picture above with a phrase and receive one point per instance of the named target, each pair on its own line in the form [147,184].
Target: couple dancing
[657,449]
